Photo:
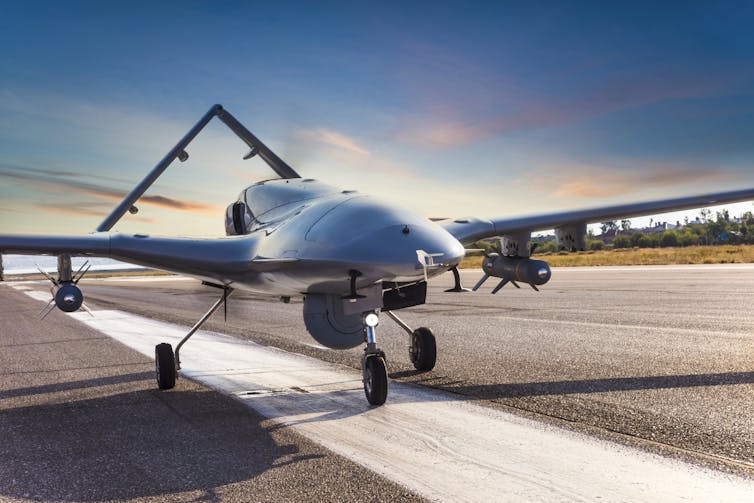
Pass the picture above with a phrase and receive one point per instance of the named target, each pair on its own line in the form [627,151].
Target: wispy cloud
[181,204]
[54,183]
[332,138]
[454,102]
[120,122]
[586,181]
[340,150]
[54,173]
[83,209]
[458,127]
[80,208]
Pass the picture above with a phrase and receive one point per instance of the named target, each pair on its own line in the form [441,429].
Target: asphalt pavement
[81,420]
[658,357]
[661,358]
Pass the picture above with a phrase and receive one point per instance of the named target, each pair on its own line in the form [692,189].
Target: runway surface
[657,357]
[81,420]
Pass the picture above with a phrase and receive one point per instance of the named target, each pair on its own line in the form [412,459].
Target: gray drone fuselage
[309,235]
[293,237]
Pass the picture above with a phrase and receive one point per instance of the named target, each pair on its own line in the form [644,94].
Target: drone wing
[216,260]
[469,230]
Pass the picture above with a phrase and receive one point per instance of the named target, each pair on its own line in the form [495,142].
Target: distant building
[662,227]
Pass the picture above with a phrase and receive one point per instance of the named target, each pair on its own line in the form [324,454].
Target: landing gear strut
[457,282]
[373,369]
[167,363]
[423,348]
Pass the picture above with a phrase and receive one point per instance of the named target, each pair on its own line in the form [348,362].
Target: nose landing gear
[423,354]
[373,368]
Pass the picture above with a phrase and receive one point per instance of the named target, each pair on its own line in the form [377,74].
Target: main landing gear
[423,354]
[167,364]
[422,349]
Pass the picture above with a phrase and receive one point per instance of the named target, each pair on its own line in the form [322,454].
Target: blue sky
[449,109]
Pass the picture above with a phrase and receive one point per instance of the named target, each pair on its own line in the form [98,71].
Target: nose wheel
[374,373]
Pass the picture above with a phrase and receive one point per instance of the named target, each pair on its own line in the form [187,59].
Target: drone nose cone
[381,241]
[439,241]
[397,250]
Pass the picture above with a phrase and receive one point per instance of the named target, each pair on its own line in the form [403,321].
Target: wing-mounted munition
[66,295]
[514,270]
[512,263]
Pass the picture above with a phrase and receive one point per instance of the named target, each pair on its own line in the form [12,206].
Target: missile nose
[69,298]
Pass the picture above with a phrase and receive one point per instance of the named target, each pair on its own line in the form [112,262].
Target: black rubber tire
[164,362]
[423,349]
[375,380]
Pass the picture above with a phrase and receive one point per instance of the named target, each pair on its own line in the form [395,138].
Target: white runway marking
[37,295]
[143,279]
[431,442]
[606,325]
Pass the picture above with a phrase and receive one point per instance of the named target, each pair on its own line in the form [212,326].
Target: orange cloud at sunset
[63,184]
[596,182]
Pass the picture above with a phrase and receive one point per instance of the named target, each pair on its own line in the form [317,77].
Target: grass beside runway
[722,254]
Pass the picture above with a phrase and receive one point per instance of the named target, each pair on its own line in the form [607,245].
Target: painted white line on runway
[431,442]
[37,295]
[609,326]
[317,346]
[21,286]
[144,279]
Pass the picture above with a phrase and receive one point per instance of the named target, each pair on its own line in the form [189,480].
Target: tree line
[706,230]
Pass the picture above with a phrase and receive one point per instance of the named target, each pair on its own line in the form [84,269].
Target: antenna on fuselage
[179,152]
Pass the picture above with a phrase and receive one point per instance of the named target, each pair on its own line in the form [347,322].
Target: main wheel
[164,362]
[375,380]
[423,349]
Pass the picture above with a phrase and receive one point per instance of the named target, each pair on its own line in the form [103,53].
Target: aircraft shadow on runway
[94,449]
[604,385]
[73,385]
[131,445]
